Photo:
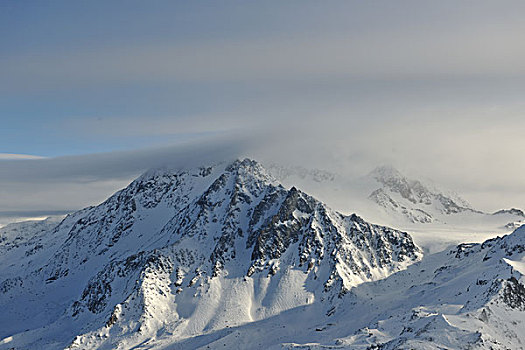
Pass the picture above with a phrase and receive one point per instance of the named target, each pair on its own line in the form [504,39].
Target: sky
[93,93]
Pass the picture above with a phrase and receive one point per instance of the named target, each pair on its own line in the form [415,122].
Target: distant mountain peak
[413,198]
[385,171]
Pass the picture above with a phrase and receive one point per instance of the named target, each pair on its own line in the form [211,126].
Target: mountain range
[436,217]
[225,255]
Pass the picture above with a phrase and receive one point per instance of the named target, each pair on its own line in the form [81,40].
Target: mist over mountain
[435,216]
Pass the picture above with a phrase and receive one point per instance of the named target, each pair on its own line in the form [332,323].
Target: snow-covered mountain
[434,216]
[179,254]
[399,196]
[25,233]
[470,297]
[224,256]
[413,199]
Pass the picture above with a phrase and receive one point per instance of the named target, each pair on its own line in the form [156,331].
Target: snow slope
[470,297]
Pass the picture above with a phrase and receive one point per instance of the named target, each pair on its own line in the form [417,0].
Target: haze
[93,93]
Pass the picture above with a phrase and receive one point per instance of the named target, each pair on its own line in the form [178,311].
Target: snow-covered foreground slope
[471,297]
[179,255]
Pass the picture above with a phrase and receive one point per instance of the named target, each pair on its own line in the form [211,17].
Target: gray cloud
[471,156]
[11,156]
[72,182]
[487,45]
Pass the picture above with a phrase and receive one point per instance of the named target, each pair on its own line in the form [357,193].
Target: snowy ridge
[178,254]
[417,201]
[26,234]
[471,297]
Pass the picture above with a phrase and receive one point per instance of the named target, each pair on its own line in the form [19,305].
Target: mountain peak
[413,198]
[182,256]
[249,166]
[245,165]
[207,247]
[385,172]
